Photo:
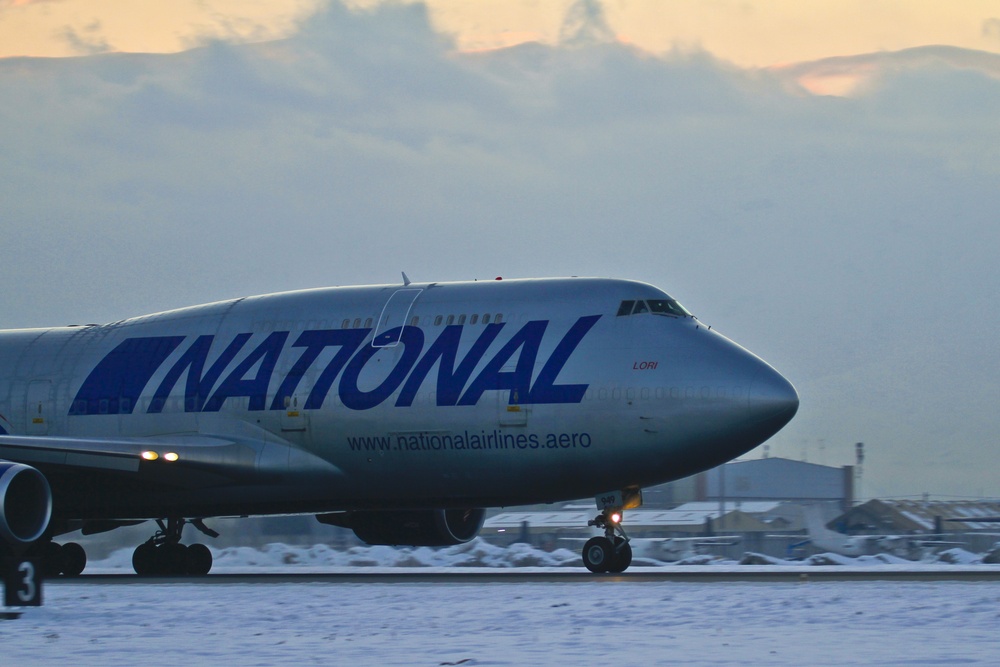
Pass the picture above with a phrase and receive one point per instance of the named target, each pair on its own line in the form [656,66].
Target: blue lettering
[545,390]
[450,380]
[517,381]
[123,374]
[255,388]
[349,340]
[315,342]
[116,383]
[411,338]
[197,387]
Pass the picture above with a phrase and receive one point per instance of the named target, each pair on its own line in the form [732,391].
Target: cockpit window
[668,307]
[655,306]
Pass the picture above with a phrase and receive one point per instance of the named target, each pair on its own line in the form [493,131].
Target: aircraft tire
[598,554]
[144,559]
[73,559]
[622,556]
[50,554]
[198,560]
[172,559]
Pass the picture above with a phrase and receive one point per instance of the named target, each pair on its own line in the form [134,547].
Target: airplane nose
[772,400]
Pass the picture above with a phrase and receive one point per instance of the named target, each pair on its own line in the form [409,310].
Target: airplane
[399,411]
[903,546]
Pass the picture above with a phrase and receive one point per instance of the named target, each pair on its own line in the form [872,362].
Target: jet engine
[416,528]
[25,504]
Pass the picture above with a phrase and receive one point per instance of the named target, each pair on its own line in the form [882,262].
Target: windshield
[668,307]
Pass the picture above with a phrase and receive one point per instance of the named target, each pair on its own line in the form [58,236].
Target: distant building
[749,523]
[906,517]
[774,479]
[919,516]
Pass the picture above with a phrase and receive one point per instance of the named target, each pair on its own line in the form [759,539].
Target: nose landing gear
[163,554]
[611,552]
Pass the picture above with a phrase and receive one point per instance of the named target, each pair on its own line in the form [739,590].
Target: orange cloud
[842,76]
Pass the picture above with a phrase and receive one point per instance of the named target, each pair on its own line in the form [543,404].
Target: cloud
[24,3]
[585,25]
[849,241]
[845,75]
[991,28]
[88,41]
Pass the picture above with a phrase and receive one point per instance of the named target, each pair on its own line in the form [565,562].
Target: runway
[508,618]
[474,576]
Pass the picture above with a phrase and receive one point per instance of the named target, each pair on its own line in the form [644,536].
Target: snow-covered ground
[591,622]
[479,553]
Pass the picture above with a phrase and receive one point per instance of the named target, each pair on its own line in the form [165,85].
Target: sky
[822,187]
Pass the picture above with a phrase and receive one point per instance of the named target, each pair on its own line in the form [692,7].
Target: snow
[588,621]
[481,554]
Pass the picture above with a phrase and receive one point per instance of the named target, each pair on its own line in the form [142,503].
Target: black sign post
[22,582]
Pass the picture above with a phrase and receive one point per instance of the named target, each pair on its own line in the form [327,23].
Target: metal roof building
[692,518]
[906,516]
[775,479]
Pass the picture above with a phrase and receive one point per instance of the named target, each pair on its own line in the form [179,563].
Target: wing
[238,453]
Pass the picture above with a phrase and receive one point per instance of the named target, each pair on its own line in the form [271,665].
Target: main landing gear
[163,553]
[67,559]
[611,552]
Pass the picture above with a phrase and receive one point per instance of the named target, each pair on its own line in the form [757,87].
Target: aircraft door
[38,407]
[394,314]
[511,414]
[293,418]
[510,410]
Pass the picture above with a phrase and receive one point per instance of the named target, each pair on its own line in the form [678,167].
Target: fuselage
[432,395]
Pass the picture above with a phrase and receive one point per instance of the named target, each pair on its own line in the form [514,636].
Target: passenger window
[415,320]
[640,307]
[437,321]
[357,322]
[474,319]
[486,318]
[368,323]
[498,318]
[451,320]
[346,324]
[461,319]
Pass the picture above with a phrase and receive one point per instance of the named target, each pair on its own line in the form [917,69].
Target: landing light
[149,456]
[170,456]
[616,517]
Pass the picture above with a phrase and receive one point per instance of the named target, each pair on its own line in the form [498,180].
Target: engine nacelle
[25,503]
[415,528]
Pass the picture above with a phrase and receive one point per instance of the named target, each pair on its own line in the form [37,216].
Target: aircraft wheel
[198,560]
[173,559]
[598,554]
[144,559]
[50,554]
[622,556]
[73,559]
